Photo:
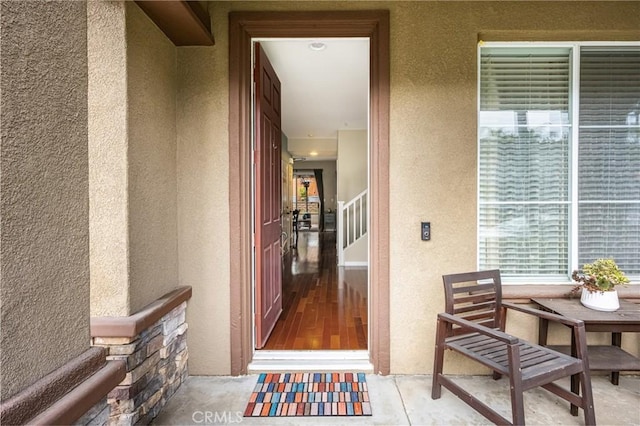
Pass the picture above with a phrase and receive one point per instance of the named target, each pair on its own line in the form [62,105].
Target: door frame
[243,26]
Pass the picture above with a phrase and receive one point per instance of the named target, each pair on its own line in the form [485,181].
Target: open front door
[268,302]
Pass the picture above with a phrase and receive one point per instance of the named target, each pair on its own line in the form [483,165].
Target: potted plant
[597,281]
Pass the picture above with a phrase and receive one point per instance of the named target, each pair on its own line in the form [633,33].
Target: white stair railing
[351,223]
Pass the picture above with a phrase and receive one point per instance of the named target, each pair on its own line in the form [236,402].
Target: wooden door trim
[243,26]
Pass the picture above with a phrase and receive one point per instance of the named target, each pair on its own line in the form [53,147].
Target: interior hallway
[324,307]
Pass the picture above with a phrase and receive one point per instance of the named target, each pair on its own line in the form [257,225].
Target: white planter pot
[606,301]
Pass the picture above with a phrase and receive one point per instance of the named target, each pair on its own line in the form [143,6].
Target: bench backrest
[476,297]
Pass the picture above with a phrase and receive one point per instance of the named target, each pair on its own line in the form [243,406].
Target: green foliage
[601,275]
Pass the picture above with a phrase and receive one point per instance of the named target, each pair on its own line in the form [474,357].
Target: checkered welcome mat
[309,394]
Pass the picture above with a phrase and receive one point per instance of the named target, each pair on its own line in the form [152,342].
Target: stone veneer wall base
[155,357]
[96,416]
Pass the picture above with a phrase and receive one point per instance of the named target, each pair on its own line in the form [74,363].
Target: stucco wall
[433,142]
[132,124]
[433,153]
[203,199]
[44,207]
[151,89]
[108,158]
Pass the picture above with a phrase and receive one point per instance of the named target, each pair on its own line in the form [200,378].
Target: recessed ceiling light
[313,153]
[317,46]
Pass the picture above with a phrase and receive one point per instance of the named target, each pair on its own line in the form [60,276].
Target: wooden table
[601,358]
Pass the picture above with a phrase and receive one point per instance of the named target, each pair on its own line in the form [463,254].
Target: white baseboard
[356,263]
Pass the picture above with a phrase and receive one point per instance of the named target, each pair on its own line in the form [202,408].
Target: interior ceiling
[322,91]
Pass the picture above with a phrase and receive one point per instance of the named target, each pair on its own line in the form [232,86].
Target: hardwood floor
[324,307]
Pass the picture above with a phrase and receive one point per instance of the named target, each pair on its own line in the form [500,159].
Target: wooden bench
[473,325]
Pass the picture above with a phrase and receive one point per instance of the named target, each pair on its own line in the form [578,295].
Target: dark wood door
[268,141]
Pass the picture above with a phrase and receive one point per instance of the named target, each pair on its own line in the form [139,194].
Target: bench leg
[579,349]
[438,360]
[515,385]
[587,398]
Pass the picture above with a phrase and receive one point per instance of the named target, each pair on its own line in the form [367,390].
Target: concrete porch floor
[404,400]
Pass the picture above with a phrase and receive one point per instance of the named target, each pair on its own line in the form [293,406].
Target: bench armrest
[571,322]
[490,332]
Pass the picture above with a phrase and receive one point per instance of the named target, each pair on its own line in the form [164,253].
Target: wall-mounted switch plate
[426,231]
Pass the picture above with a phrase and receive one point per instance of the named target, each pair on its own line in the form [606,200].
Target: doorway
[323,123]
[305,201]
[243,28]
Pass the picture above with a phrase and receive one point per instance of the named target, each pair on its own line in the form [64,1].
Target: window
[559,158]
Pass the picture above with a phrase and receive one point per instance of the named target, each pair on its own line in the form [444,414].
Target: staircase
[352,223]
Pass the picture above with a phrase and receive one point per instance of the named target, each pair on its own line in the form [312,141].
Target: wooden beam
[185,23]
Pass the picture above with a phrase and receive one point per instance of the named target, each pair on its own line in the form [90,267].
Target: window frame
[574,114]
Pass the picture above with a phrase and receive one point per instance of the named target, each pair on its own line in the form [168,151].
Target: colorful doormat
[309,394]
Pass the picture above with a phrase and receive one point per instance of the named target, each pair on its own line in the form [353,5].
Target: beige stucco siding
[433,154]
[433,167]
[108,158]
[203,199]
[151,87]
[44,207]
[133,169]
[433,145]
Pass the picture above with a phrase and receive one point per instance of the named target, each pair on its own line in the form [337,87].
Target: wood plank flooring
[324,307]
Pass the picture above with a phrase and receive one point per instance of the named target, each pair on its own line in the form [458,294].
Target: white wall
[287,193]
[358,253]
[353,174]
[352,164]
[303,147]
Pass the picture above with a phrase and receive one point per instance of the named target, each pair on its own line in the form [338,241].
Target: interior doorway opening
[324,306]
[306,203]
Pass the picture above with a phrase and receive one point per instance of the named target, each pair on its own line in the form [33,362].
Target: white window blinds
[609,156]
[526,153]
[524,159]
